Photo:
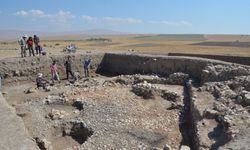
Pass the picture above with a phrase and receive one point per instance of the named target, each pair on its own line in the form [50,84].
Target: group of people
[26,43]
[41,82]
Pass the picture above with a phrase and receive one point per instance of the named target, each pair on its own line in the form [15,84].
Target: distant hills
[12,35]
[16,34]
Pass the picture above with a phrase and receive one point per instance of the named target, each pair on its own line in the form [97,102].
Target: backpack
[21,42]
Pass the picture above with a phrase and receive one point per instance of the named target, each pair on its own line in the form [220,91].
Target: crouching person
[42,49]
[41,82]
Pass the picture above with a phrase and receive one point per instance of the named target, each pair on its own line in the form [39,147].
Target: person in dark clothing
[30,46]
[36,42]
[68,68]
[40,81]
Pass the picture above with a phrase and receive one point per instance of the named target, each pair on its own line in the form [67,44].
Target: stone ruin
[130,102]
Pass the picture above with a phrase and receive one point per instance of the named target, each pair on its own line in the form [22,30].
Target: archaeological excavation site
[130,101]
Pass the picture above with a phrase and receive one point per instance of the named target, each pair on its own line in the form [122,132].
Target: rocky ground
[138,111]
[223,104]
[101,113]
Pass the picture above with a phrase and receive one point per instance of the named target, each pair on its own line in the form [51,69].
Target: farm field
[232,45]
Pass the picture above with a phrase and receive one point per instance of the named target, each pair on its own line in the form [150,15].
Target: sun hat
[39,75]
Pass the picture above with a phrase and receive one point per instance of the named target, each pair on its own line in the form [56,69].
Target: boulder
[146,90]
[185,147]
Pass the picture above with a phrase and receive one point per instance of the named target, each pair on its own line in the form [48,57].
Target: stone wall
[155,64]
[114,64]
[14,135]
[233,59]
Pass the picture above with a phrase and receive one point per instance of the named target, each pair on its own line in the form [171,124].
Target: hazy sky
[133,16]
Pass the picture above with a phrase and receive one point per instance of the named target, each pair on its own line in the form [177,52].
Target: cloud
[186,23]
[22,13]
[89,19]
[119,21]
[110,20]
[63,16]
[172,23]
[60,16]
[116,20]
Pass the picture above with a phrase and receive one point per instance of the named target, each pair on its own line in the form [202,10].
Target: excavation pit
[146,102]
[79,132]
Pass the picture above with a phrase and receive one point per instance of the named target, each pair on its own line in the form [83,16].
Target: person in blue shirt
[22,43]
[86,67]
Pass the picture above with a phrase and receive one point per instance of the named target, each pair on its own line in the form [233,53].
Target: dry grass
[159,44]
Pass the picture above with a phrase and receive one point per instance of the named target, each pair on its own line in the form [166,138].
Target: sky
[128,16]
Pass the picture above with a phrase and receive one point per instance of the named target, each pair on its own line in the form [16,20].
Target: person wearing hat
[40,81]
[22,43]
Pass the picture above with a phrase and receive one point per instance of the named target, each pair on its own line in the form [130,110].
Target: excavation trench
[111,104]
[186,122]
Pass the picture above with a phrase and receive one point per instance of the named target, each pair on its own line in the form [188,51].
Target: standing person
[54,72]
[22,44]
[36,42]
[67,65]
[30,46]
[86,67]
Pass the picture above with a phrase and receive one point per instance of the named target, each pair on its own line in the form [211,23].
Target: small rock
[167,147]
[16,73]
[30,90]
[247,98]
[155,148]
[76,111]
[239,99]
[4,93]
[47,89]
[175,105]
[210,113]
[57,114]
[184,147]
[44,144]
